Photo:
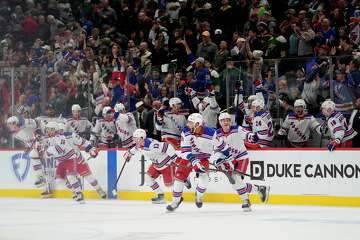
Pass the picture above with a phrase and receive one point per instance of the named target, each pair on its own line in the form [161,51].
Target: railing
[275,78]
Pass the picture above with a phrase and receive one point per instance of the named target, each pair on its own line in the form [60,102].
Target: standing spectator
[206,49]
[305,35]
[221,57]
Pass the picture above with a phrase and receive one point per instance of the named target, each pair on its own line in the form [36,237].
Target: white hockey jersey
[196,147]
[125,126]
[65,147]
[43,120]
[235,139]
[80,126]
[104,132]
[161,154]
[208,108]
[26,133]
[263,127]
[298,129]
[339,129]
[172,125]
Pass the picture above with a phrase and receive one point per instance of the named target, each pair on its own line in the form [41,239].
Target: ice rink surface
[63,219]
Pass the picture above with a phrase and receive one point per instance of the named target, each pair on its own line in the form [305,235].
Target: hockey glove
[333,144]
[226,166]
[128,155]
[199,168]
[323,129]
[254,138]
[93,152]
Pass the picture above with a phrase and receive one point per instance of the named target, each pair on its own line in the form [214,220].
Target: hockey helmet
[139,133]
[300,103]
[174,101]
[12,120]
[107,110]
[119,107]
[224,115]
[75,107]
[328,104]
[258,103]
[52,125]
[61,126]
[196,118]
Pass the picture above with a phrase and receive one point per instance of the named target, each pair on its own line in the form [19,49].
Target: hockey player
[125,125]
[262,124]
[77,124]
[50,117]
[82,167]
[340,133]
[104,131]
[28,135]
[62,150]
[297,125]
[207,107]
[198,143]
[235,136]
[162,155]
[171,123]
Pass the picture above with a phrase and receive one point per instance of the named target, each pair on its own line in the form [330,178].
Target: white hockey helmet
[258,103]
[61,126]
[224,115]
[52,125]
[300,103]
[328,104]
[196,118]
[119,107]
[174,101]
[12,120]
[75,107]
[139,133]
[106,110]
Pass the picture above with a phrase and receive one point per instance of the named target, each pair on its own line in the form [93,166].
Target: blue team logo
[21,164]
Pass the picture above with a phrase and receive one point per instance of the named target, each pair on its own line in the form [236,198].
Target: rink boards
[309,177]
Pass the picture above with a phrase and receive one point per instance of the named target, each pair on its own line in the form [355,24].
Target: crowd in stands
[98,53]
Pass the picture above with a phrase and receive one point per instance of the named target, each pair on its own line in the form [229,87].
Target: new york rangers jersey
[298,129]
[172,125]
[235,139]
[339,129]
[104,132]
[81,126]
[43,120]
[208,108]
[262,126]
[65,147]
[161,154]
[196,147]
[26,133]
[126,126]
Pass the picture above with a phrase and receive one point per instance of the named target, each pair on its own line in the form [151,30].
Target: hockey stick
[226,173]
[114,191]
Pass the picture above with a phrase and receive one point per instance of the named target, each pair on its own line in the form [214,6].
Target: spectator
[206,49]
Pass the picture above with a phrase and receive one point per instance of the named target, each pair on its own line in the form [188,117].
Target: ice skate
[174,205]
[198,201]
[79,197]
[40,182]
[187,184]
[47,194]
[101,193]
[159,199]
[246,205]
[263,193]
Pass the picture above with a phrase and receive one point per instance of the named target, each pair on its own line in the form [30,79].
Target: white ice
[63,219]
